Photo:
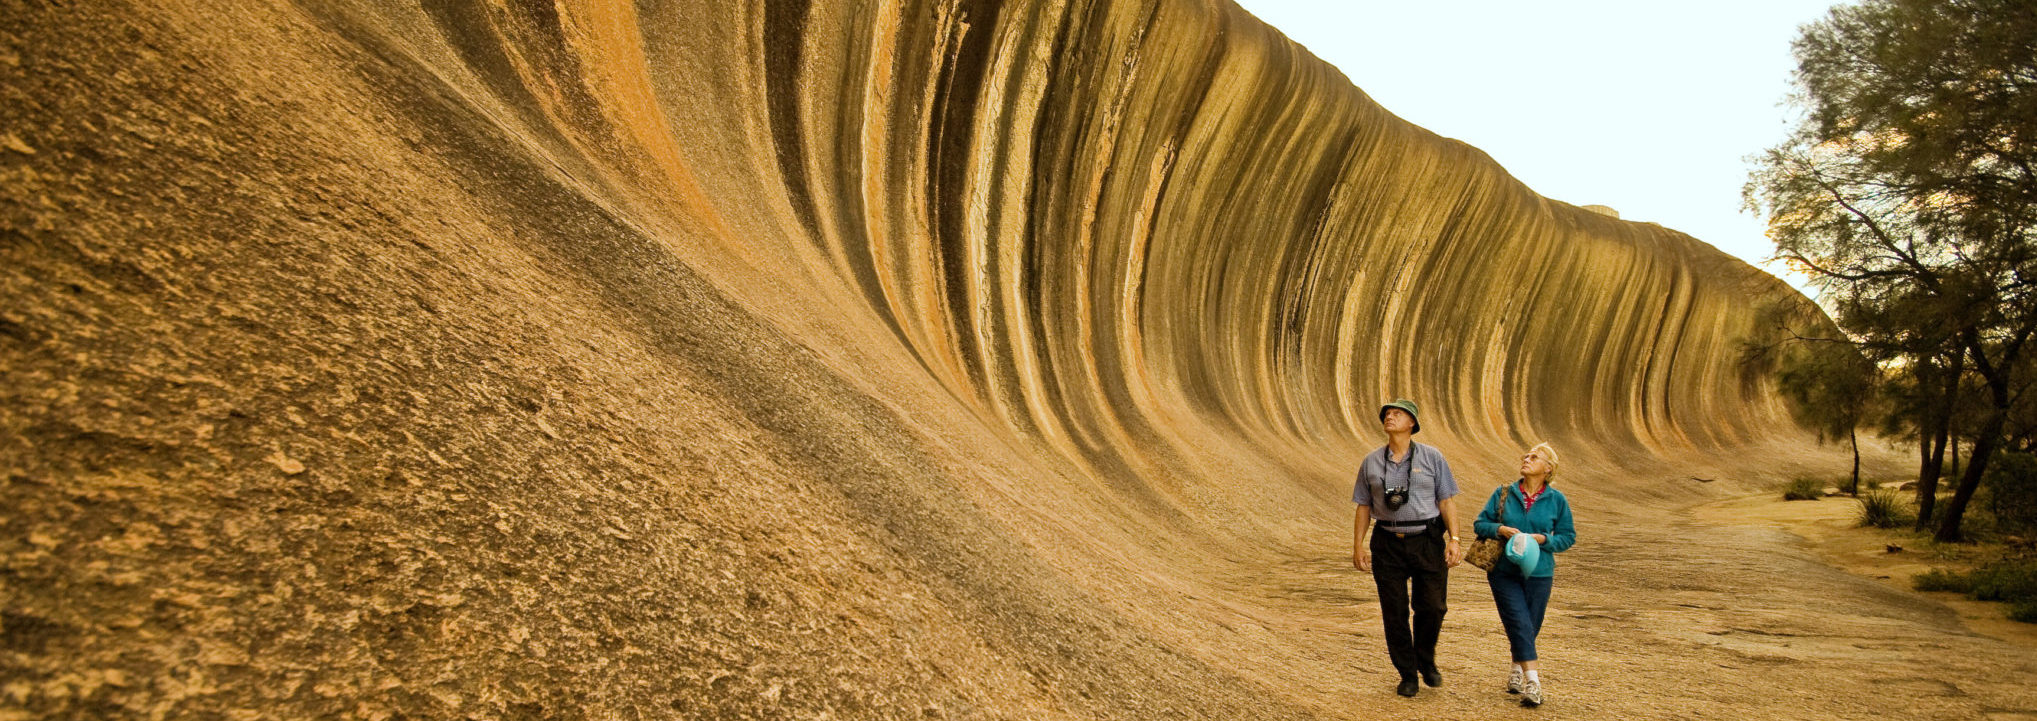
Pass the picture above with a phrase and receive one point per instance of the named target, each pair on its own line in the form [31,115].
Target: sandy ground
[360,364]
[1726,608]
[1829,528]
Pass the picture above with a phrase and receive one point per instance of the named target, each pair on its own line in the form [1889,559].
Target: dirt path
[1829,528]
[443,360]
[1715,610]
[1700,613]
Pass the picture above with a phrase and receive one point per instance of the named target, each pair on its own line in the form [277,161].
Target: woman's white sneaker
[1531,693]
[1514,679]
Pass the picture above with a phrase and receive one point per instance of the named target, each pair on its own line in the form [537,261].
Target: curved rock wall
[1096,217]
[771,359]
[1091,217]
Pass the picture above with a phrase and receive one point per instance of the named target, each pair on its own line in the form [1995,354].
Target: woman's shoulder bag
[1486,552]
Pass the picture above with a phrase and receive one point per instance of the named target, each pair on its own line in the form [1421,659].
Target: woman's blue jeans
[1521,601]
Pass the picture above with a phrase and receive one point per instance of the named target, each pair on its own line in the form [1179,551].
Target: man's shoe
[1514,679]
[1531,694]
[1408,687]
[1432,677]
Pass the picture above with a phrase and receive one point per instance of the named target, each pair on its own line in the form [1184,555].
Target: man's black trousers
[1397,562]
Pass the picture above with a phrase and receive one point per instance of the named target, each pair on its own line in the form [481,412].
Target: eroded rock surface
[812,360]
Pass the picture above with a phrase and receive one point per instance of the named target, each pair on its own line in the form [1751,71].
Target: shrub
[1883,508]
[2010,485]
[2024,610]
[1804,489]
[2006,581]
[1979,523]
[2013,581]
[1939,579]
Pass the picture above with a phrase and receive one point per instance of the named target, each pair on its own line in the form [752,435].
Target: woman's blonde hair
[1548,454]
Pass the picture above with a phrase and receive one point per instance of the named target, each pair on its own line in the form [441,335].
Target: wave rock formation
[769,359]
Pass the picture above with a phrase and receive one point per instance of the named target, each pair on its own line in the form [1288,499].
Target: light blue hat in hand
[1524,551]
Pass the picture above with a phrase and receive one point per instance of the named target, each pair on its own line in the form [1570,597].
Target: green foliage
[1909,192]
[1829,385]
[2013,581]
[2024,610]
[1939,579]
[1884,508]
[1897,191]
[2005,581]
[2010,485]
[1979,524]
[1804,489]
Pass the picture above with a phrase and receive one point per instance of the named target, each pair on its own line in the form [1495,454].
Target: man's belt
[1403,529]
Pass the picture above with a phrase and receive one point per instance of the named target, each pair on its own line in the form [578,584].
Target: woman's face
[1533,464]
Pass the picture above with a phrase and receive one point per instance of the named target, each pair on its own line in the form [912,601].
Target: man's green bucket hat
[1406,405]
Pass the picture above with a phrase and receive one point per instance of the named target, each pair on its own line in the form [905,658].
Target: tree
[1922,400]
[1829,380]
[1909,190]
[1831,386]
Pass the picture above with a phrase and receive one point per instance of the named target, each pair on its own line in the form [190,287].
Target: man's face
[1397,421]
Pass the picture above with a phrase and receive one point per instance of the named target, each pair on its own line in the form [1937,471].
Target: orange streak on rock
[610,48]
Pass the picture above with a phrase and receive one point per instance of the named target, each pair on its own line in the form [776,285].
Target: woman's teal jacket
[1550,517]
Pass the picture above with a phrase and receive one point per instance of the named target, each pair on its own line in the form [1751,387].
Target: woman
[1527,506]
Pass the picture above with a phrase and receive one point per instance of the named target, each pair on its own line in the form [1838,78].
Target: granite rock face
[1096,218]
[768,359]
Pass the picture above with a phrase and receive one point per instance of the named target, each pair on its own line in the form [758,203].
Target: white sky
[1648,107]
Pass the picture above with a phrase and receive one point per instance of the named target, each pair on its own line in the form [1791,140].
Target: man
[1406,487]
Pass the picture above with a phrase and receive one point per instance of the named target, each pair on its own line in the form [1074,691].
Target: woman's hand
[1506,532]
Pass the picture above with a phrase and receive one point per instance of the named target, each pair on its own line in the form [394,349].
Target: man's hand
[1362,559]
[1452,555]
